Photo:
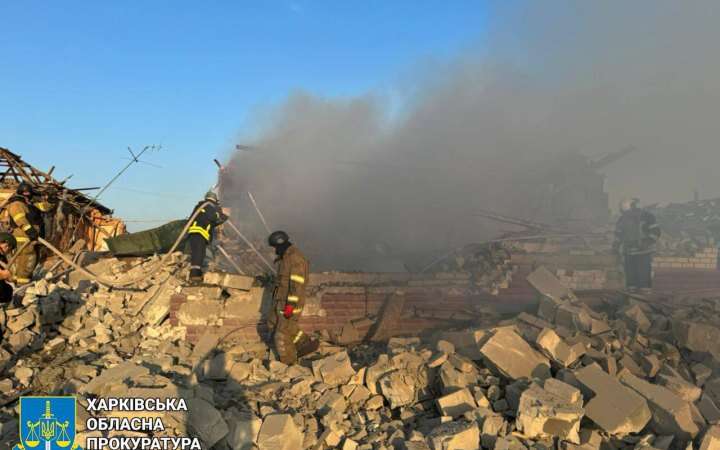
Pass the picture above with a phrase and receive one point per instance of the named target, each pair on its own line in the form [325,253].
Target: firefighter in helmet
[636,235]
[201,232]
[27,226]
[288,300]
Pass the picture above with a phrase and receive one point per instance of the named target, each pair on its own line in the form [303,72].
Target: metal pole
[230,259]
[260,214]
[249,244]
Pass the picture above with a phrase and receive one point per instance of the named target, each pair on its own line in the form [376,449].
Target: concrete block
[614,408]
[456,404]
[513,357]
[670,414]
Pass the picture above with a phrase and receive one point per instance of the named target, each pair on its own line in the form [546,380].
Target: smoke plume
[361,186]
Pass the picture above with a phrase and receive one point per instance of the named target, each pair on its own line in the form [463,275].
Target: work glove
[288,311]
[265,280]
[32,234]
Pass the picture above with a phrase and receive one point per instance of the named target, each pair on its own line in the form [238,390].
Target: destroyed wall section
[432,301]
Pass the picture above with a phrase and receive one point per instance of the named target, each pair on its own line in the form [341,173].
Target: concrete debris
[583,372]
[614,407]
[670,413]
[554,411]
[514,357]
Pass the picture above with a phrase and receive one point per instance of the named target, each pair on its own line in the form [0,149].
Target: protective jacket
[210,216]
[23,217]
[637,232]
[292,277]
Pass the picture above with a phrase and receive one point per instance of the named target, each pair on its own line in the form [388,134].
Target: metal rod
[230,260]
[249,244]
[260,214]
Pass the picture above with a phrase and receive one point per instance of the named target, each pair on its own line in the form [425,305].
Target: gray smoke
[363,186]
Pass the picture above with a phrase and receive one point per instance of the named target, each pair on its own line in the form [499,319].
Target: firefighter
[8,244]
[636,235]
[201,232]
[293,274]
[27,226]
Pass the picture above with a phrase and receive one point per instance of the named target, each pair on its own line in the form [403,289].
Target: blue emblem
[47,423]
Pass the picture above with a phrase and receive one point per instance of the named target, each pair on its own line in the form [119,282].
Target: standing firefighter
[636,235]
[27,226]
[201,232]
[288,300]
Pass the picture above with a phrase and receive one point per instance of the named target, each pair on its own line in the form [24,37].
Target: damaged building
[69,214]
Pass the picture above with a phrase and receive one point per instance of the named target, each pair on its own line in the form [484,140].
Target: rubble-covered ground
[610,371]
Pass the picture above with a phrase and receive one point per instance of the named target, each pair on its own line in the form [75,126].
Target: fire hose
[126,283]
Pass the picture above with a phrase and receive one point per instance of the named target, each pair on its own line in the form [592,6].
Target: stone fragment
[206,422]
[279,432]
[554,347]
[466,342]
[493,425]
[334,370]
[697,337]
[244,428]
[708,409]
[513,357]
[711,439]
[456,404]
[701,372]
[682,388]
[229,280]
[635,315]
[458,435]
[21,321]
[670,414]
[614,408]
[546,413]
[399,388]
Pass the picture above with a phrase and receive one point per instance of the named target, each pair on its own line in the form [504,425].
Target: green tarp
[148,242]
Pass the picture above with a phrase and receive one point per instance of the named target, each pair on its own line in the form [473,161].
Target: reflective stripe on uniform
[297,310]
[27,227]
[293,298]
[43,206]
[22,239]
[196,229]
[297,278]
[297,337]
[22,280]
[17,217]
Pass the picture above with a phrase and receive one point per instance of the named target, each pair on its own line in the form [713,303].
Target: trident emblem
[49,427]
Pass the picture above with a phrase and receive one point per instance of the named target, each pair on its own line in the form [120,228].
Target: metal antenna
[135,159]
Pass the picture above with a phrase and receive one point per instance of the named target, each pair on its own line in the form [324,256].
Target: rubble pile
[688,228]
[623,373]
[488,264]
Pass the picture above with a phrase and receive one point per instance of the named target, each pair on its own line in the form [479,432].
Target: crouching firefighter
[8,244]
[201,232]
[636,235]
[27,226]
[293,273]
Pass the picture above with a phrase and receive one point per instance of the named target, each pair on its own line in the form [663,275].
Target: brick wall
[431,301]
[705,259]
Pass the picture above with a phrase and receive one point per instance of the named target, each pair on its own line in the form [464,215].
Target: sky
[81,81]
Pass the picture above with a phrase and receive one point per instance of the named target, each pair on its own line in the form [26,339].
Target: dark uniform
[636,234]
[8,243]
[288,302]
[200,233]
[27,225]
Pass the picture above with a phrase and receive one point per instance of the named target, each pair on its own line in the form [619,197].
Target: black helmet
[278,238]
[10,239]
[24,186]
